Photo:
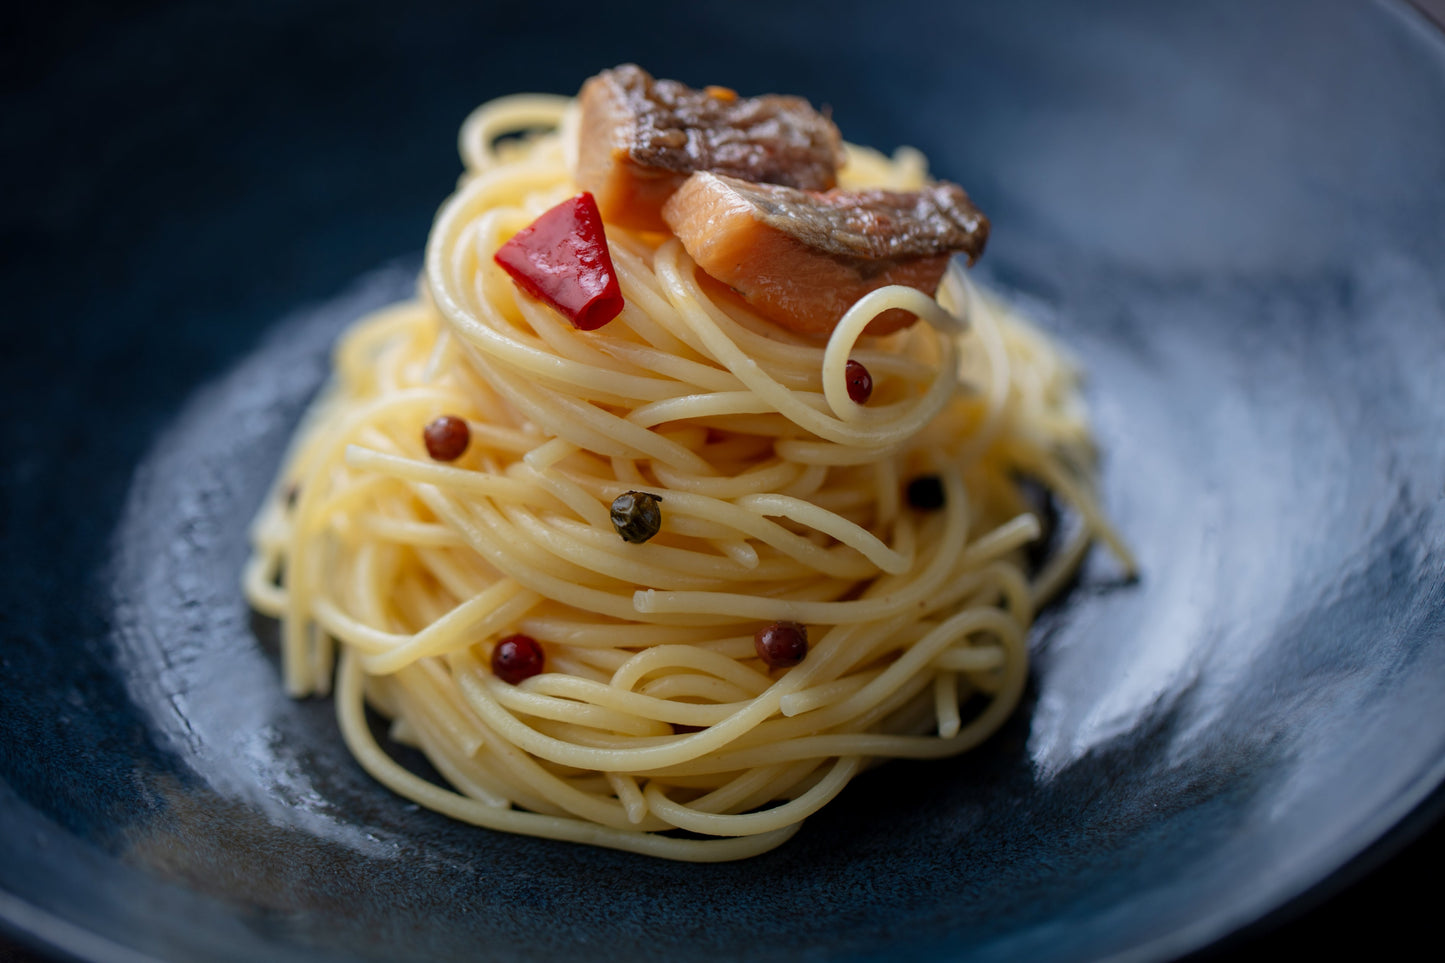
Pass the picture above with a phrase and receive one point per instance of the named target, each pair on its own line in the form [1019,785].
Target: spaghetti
[655,726]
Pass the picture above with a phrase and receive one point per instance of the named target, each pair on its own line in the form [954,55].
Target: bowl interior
[1193,198]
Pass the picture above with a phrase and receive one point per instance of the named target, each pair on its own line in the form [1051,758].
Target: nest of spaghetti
[640,709]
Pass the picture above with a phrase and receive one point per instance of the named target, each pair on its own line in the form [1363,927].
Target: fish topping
[641,137]
[874,224]
[803,258]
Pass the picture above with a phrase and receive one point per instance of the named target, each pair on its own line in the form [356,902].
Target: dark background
[55,62]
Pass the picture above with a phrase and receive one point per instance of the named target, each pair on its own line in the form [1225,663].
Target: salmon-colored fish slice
[802,258]
[640,138]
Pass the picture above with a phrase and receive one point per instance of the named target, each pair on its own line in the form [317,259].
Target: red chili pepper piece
[562,258]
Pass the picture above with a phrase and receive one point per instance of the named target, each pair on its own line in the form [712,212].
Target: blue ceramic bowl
[1231,212]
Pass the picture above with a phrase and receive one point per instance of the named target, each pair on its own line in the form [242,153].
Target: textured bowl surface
[1231,213]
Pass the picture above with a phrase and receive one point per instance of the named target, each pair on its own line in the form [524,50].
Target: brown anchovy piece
[874,224]
[640,138]
[802,258]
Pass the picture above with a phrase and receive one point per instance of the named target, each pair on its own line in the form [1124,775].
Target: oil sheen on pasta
[655,727]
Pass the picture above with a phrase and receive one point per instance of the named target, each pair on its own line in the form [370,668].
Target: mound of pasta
[634,559]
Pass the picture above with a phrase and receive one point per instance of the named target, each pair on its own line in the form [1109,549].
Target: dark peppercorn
[636,516]
[782,644]
[447,437]
[926,492]
[517,657]
[860,382]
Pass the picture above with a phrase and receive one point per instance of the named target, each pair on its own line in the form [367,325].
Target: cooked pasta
[654,725]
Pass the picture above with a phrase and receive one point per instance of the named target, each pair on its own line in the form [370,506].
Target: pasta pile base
[655,727]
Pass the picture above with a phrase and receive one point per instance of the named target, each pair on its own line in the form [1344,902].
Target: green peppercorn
[636,516]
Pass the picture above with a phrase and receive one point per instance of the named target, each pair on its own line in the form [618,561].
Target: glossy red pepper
[562,258]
